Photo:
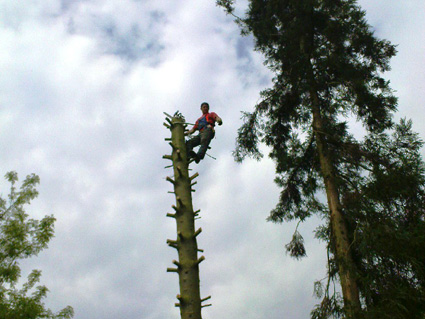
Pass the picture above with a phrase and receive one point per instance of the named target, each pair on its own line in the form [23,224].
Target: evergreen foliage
[328,69]
[20,238]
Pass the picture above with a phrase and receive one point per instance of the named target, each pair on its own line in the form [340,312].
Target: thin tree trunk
[187,266]
[339,231]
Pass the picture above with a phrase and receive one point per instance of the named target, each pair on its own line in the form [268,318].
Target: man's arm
[191,131]
[218,120]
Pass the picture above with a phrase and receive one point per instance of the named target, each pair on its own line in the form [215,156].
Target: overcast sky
[83,88]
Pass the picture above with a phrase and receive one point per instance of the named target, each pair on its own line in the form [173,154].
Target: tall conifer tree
[328,68]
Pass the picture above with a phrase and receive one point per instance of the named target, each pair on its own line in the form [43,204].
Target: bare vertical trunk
[339,231]
[344,259]
[187,266]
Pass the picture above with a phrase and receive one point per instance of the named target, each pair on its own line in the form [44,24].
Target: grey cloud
[81,99]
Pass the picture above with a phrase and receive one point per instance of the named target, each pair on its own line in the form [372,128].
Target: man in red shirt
[205,125]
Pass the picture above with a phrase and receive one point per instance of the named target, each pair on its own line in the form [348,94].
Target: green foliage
[20,238]
[227,5]
[331,305]
[296,246]
[386,212]
[328,64]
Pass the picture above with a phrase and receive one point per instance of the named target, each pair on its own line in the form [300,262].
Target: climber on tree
[205,125]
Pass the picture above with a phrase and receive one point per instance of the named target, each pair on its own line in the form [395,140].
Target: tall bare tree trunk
[187,266]
[339,231]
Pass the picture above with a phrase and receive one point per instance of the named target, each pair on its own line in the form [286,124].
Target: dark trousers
[203,138]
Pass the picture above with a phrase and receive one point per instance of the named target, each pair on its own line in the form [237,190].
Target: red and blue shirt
[205,120]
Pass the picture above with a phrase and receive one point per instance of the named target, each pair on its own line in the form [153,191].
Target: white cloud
[82,91]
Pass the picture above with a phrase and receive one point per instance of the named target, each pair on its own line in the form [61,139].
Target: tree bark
[187,266]
[339,230]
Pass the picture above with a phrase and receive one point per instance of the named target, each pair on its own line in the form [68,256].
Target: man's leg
[191,143]
[206,137]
